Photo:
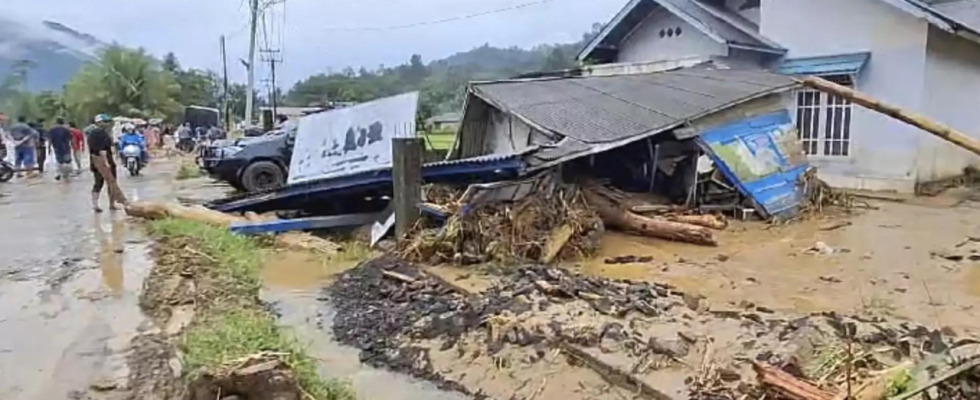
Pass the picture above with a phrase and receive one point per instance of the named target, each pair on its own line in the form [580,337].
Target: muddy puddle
[70,282]
[293,284]
[74,327]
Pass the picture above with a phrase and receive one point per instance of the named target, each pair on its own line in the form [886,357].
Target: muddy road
[69,281]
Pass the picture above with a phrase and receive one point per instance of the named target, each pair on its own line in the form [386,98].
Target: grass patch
[239,258]
[237,327]
[237,334]
[899,383]
[188,171]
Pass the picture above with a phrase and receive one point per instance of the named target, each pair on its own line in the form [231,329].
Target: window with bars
[824,121]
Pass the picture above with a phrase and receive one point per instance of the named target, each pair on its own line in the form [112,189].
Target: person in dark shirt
[99,137]
[42,144]
[60,138]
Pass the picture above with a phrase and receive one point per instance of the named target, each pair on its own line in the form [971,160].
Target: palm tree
[122,82]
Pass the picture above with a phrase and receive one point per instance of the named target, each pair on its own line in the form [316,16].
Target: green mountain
[49,52]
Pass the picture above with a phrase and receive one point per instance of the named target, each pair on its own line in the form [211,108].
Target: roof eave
[606,30]
[769,50]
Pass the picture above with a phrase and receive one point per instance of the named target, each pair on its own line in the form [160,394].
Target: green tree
[122,82]
[170,63]
[557,60]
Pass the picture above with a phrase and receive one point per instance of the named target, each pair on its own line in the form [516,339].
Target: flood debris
[550,226]
[637,336]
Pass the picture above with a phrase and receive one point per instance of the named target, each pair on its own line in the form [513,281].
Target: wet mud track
[69,284]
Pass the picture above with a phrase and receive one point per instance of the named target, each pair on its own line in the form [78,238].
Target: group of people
[31,144]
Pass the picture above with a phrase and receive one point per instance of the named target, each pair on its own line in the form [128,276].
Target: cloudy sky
[320,35]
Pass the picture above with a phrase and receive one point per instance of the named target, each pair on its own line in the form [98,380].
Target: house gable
[710,18]
[665,36]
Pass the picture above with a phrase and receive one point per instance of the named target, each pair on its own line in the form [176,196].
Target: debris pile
[545,226]
[650,337]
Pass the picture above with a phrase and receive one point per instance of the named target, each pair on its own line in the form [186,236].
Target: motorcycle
[132,156]
[6,169]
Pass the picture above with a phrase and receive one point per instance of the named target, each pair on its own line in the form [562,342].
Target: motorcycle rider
[131,135]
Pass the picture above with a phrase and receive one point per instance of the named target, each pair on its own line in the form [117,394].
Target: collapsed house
[705,138]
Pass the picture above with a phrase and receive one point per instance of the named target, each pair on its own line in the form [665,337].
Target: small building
[443,122]
[923,55]
[657,133]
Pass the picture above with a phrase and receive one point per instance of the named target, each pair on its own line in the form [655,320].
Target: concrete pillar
[407,176]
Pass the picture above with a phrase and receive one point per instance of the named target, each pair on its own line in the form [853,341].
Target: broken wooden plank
[559,237]
[301,224]
[831,226]
[612,374]
[912,118]
[788,385]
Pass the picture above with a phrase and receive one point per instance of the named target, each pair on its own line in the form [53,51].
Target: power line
[439,21]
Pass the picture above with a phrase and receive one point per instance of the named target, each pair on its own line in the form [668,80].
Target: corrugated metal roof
[718,23]
[826,65]
[597,110]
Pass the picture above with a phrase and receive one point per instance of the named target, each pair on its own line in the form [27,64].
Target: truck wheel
[262,175]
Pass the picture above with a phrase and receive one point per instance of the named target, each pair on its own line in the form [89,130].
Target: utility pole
[224,98]
[251,64]
[272,56]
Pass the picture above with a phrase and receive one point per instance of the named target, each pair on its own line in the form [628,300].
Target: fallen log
[290,240]
[707,220]
[559,237]
[788,385]
[102,167]
[154,210]
[617,215]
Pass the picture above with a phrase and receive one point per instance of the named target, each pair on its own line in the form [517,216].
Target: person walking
[25,145]
[42,145]
[99,137]
[77,145]
[60,138]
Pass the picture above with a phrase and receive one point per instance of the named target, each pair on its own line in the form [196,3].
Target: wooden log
[102,167]
[788,385]
[912,118]
[154,210]
[617,216]
[707,220]
[398,277]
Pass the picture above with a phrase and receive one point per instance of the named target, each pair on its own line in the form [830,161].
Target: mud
[884,264]
[70,282]
[567,335]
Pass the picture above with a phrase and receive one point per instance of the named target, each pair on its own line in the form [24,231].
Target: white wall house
[922,55]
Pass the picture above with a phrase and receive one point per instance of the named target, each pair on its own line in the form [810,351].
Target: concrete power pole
[224,98]
[251,64]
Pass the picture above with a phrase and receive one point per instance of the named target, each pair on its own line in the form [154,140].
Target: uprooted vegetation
[524,338]
[204,290]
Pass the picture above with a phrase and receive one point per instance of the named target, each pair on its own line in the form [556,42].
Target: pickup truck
[252,164]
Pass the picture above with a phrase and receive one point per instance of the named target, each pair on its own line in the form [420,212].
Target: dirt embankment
[203,297]
[547,333]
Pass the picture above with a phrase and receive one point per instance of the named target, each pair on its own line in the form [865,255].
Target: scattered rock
[901,290]
[722,257]
[819,248]
[830,279]
[729,375]
[103,385]
[675,349]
